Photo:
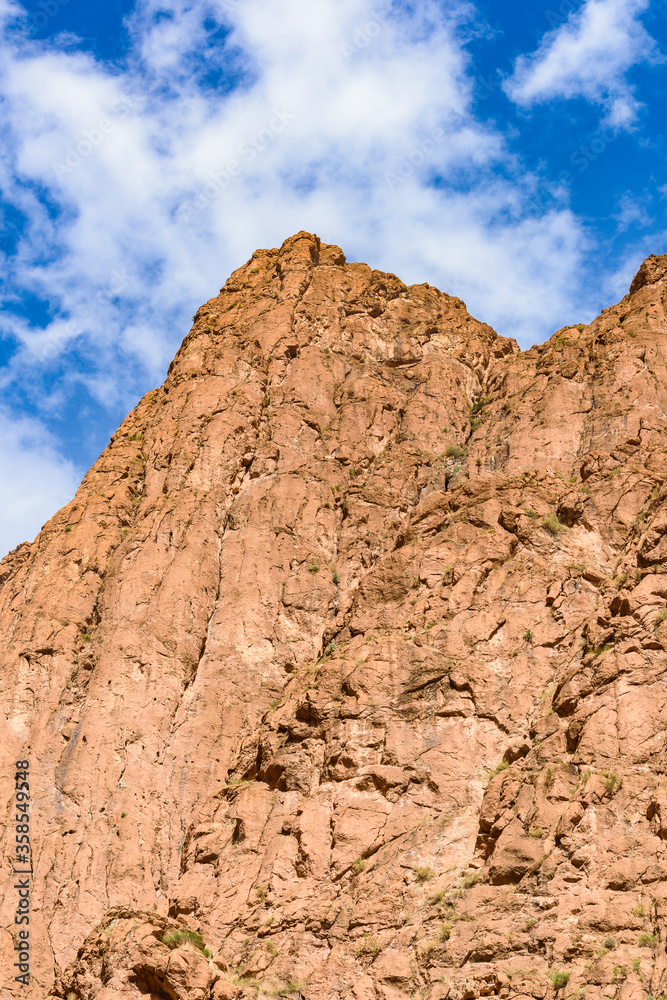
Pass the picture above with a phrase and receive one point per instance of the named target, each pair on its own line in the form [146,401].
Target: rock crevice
[343,675]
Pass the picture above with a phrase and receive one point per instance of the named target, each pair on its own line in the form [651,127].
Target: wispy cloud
[103,175]
[35,479]
[633,212]
[141,189]
[589,56]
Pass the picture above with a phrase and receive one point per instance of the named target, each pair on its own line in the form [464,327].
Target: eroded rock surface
[343,675]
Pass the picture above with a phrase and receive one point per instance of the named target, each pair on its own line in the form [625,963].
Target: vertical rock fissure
[456,789]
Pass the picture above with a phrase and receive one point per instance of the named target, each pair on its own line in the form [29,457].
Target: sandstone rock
[347,662]
[393,966]
[652,270]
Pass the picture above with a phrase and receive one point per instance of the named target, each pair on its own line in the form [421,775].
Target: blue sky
[512,154]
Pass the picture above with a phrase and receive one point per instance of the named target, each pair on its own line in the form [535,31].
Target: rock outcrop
[344,673]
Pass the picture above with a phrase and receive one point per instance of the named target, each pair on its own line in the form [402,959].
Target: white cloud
[345,117]
[633,212]
[35,480]
[360,92]
[589,56]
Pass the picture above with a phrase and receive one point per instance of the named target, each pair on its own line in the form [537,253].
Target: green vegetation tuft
[174,939]
[612,782]
[370,945]
[551,524]
[480,404]
[422,873]
[438,897]
[283,989]
[560,979]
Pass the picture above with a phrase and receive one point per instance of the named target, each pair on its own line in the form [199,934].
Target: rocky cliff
[344,673]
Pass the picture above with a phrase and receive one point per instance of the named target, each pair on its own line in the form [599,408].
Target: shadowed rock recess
[344,673]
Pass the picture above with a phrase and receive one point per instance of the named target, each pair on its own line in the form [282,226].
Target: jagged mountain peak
[343,673]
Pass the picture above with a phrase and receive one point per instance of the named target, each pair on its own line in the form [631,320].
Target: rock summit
[344,674]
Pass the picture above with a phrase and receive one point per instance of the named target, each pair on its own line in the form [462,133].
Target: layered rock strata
[344,673]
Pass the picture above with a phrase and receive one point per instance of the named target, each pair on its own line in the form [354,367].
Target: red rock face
[343,675]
